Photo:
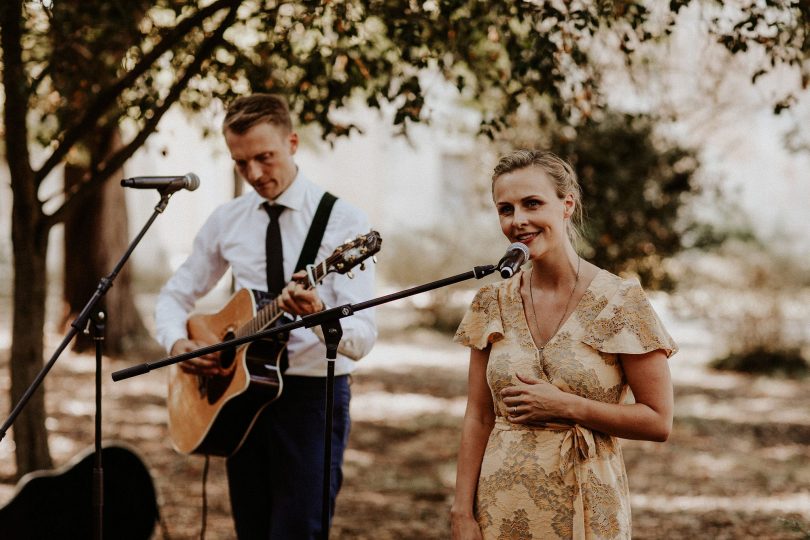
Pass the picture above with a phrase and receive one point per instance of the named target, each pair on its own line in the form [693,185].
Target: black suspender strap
[316,230]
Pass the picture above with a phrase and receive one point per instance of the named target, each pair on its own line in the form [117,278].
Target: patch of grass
[787,363]
[797,526]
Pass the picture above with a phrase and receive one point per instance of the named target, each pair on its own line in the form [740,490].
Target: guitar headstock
[354,253]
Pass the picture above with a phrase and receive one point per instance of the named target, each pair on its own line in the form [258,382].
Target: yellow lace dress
[558,480]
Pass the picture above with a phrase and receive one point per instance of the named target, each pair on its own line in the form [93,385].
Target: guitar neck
[271,312]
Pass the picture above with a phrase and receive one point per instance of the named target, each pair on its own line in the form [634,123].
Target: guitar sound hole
[212,387]
[227,356]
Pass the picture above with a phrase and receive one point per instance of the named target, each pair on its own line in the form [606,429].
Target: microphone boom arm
[308,321]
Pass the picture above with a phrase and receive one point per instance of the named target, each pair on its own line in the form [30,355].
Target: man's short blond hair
[245,112]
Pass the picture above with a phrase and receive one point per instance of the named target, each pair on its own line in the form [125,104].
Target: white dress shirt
[234,236]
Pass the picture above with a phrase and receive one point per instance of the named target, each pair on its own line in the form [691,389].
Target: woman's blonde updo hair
[558,170]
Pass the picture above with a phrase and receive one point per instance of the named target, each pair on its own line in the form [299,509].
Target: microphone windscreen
[192,181]
[521,247]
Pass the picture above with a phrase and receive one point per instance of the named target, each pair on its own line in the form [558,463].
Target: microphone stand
[329,321]
[98,318]
[81,323]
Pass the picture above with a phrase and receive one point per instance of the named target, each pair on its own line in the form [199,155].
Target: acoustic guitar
[213,414]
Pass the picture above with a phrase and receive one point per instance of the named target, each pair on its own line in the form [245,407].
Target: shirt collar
[293,197]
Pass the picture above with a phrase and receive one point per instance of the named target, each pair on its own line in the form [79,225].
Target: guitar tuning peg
[374,258]
[351,275]
[362,266]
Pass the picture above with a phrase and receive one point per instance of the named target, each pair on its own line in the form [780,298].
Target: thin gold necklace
[567,304]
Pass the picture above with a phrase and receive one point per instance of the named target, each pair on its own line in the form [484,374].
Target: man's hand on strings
[206,365]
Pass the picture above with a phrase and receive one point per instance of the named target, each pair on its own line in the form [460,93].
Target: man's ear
[293,142]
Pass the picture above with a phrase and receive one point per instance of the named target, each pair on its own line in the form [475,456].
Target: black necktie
[275,268]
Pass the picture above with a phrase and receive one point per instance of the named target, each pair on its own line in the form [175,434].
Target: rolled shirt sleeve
[192,280]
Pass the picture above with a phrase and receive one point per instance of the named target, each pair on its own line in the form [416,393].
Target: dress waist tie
[576,448]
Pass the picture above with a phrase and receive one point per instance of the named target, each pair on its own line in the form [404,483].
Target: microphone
[168,184]
[516,255]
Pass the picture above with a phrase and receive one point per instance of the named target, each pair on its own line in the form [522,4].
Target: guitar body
[59,503]
[213,414]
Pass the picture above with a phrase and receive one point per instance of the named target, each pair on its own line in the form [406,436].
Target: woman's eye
[505,210]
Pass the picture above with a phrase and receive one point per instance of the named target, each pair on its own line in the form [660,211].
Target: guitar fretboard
[270,312]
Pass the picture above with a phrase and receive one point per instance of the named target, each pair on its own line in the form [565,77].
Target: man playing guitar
[275,476]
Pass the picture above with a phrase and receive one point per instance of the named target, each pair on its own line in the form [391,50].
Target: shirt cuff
[170,338]
[347,347]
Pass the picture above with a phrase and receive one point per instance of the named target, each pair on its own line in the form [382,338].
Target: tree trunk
[29,236]
[30,289]
[96,236]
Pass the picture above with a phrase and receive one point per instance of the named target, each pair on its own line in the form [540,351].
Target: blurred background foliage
[752,295]
[636,187]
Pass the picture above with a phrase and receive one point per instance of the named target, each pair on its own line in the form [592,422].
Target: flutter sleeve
[482,324]
[628,324]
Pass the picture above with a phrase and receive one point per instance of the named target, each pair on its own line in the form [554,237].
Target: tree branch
[107,97]
[105,169]
[15,109]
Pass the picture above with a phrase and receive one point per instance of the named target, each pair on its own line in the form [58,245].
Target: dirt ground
[736,466]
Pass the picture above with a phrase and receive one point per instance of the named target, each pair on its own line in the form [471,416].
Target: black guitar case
[59,503]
